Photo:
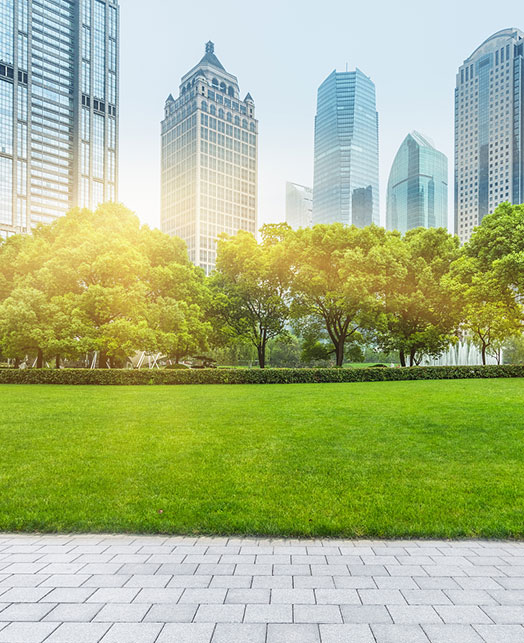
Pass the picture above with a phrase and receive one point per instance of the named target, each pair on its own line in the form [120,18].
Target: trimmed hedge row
[254,376]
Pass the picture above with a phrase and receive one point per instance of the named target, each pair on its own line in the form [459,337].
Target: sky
[280,51]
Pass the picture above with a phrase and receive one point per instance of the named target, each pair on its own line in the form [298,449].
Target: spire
[210,58]
[249,98]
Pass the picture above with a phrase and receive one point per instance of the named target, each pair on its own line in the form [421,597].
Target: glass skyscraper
[58,108]
[418,186]
[346,151]
[209,160]
[299,205]
[489,115]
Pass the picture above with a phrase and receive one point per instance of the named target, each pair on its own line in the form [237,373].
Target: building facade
[346,151]
[299,206]
[489,114]
[209,160]
[58,108]
[418,186]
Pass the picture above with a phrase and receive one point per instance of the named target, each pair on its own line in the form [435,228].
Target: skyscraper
[299,205]
[209,160]
[346,151]
[489,143]
[418,186]
[58,108]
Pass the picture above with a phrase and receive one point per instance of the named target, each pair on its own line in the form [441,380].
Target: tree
[421,311]
[336,274]
[498,246]
[489,282]
[249,290]
[126,287]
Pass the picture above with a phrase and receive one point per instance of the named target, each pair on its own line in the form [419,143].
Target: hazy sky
[281,50]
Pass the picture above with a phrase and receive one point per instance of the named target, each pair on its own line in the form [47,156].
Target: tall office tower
[299,206]
[58,108]
[346,151]
[418,186]
[489,141]
[209,160]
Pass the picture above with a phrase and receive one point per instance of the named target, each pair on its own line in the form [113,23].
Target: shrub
[176,367]
[254,376]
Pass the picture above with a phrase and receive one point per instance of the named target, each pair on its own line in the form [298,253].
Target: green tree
[125,286]
[336,276]
[249,290]
[498,246]
[421,311]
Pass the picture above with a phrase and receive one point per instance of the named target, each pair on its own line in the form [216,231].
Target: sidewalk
[143,589]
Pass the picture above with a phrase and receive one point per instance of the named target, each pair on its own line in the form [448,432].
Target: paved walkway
[137,589]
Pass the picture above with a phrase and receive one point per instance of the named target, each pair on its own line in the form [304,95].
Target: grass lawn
[386,459]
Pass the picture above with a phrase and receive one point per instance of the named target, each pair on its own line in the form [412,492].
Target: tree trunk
[402,356]
[17,362]
[412,354]
[40,359]
[339,352]
[102,360]
[57,361]
[484,354]
[261,350]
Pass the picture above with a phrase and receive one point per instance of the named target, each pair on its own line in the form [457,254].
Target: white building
[299,206]
[209,160]
[489,114]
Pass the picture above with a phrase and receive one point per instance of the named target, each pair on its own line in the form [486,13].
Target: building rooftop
[210,58]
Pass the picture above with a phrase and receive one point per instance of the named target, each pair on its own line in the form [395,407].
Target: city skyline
[415,81]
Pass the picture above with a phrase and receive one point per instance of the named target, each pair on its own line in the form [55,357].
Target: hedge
[254,376]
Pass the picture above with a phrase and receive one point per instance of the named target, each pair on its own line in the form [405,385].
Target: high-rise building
[58,108]
[209,160]
[299,205]
[418,186]
[489,129]
[346,151]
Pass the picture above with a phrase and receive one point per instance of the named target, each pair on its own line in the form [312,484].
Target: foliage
[498,245]
[249,290]
[253,375]
[335,280]
[421,312]
[98,281]
[490,313]
[514,350]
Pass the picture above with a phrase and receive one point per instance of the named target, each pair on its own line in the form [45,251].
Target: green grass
[388,459]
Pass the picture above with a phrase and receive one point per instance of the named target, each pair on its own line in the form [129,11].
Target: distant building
[346,151]
[418,186]
[299,205]
[489,129]
[58,108]
[209,160]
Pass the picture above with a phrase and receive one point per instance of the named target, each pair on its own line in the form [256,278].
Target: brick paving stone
[166,613]
[293,634]
[133,633]
[186,633]
[240,633]
[399,634]
[501,633]
[26,632]
[78,633]
[452,634]
[346,634]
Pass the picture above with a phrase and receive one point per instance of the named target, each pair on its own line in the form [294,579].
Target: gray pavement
[143,589]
